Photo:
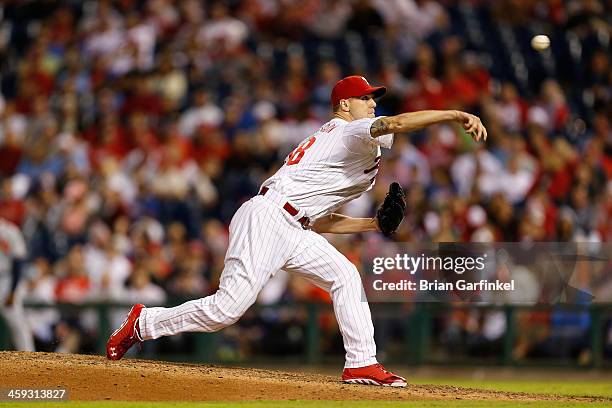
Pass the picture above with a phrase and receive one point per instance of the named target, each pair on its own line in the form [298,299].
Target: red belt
[304,221]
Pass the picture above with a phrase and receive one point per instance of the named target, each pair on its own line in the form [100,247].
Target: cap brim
[375,91]
[378,91]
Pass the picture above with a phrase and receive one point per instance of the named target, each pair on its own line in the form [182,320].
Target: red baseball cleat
[125,336]
[374,374]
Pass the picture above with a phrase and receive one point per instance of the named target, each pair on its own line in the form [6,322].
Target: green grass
[569,388]
[306,404]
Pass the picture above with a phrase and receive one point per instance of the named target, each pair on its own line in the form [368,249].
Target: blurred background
[131,131]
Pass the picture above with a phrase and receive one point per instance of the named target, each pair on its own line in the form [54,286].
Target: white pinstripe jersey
[12,245]
[335,165]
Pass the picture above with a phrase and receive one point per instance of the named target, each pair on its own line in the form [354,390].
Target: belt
[304,221]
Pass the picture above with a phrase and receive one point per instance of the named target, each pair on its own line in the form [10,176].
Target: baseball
[540,42]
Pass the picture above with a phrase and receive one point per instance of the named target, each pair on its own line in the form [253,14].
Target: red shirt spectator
[75,286]
[459,90]
[209,142]
[73,289]
[10,155]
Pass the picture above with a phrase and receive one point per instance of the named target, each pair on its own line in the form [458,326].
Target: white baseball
[540,42]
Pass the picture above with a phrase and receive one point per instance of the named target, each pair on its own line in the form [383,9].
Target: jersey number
[296,155]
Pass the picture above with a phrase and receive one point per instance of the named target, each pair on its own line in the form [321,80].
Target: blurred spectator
[74,286]
[510,110]
[330,18]
[203,113]
[41,289]
[223,34]
[11,207]
[551,112]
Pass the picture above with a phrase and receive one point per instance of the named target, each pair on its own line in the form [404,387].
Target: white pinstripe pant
[264,238]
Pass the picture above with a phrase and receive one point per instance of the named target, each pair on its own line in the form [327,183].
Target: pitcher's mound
[95,378]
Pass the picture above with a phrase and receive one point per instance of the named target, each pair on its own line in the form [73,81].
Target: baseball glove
[391,212]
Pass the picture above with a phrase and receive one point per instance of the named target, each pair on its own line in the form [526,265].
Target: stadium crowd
[132,130]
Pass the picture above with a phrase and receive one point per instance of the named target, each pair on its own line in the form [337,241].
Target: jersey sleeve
[357,135]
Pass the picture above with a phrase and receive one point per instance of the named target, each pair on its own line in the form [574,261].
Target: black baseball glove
[391,212]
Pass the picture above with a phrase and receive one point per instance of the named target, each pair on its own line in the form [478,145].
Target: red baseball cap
[354,86]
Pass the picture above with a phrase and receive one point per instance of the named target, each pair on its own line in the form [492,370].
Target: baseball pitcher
[280,229]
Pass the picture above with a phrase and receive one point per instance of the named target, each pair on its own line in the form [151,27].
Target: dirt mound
[94,378]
